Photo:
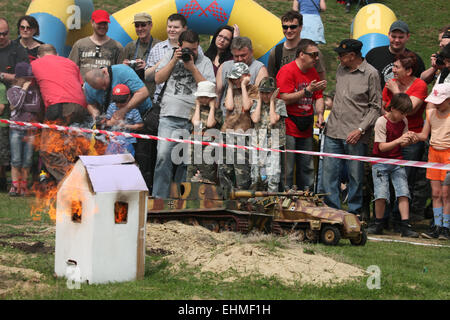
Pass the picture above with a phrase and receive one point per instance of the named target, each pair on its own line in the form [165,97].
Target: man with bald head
[98,89]
[59,80]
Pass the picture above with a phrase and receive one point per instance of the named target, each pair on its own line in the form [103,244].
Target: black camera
[186,54]
[439,59]
[132,64]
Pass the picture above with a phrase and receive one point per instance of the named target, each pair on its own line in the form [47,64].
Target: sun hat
[206,89]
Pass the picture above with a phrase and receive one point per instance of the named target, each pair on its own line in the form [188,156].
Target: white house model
[101,213]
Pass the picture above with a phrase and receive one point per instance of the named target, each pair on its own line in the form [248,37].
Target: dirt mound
[244,255]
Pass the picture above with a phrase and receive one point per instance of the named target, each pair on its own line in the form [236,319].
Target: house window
[76,211]
[120,212]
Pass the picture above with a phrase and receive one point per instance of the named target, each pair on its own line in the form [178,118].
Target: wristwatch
[2,76]
[308,94]
[362,130]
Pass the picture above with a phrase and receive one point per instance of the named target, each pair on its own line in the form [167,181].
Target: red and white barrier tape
[409,163]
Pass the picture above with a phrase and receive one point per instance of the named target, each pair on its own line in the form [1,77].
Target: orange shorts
[440,156]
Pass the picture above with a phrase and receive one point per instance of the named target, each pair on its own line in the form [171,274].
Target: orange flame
[71,146]
[120,212]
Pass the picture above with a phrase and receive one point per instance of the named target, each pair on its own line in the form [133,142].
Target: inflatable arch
[59,24]
[371,26]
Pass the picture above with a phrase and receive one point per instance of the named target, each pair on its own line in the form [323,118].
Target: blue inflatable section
[373,40]
[118,33]
[52,31]
[205,16]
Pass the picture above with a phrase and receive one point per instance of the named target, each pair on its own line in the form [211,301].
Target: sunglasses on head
[4,34]
[140,24]
[292,27]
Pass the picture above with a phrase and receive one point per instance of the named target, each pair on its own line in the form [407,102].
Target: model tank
[299,213]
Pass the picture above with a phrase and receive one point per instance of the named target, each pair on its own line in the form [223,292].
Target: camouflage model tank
[299,213]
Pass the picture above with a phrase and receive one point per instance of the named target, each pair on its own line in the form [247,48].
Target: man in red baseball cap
[97,50]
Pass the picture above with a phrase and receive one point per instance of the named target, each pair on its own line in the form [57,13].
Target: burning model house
[101,211]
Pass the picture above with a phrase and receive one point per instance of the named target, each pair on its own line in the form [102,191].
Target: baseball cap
[142,17]
[349,45]
[23,70]
[239,68]
[120,93]
[206,89]
[439,93]
[99,16]
[267,84]
[399,25]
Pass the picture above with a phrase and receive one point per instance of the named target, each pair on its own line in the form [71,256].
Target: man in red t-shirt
[301,88]
[60,83]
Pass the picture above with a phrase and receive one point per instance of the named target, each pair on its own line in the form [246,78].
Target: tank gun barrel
[252,194]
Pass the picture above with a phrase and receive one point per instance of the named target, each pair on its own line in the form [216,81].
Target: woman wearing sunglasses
[28,28]
[312,23]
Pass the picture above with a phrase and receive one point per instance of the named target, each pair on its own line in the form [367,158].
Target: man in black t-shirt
[382,58]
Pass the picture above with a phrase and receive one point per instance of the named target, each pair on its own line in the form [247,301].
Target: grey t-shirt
[87,55]
[178,98]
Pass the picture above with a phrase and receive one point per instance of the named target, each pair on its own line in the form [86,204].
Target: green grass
[407,271]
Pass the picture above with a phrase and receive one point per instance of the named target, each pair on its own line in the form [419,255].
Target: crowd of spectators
[225,95]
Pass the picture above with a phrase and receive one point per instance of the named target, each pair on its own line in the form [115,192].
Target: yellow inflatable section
[203,16]
[371,26]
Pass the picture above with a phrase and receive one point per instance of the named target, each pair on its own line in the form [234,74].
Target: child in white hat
[207,121]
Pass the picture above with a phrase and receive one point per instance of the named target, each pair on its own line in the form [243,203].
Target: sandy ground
[231,254]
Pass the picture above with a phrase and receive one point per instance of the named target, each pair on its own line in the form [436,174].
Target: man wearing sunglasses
[136,52]
[301,89]
[10,54]
[285,52]
[98,50]
[356,107]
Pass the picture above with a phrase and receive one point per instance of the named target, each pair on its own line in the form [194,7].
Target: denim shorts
[21,143]
[381,174]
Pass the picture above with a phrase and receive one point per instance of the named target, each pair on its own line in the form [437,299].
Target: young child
[391,134]
[238,101]
[25,105]
[132,121]
[268,115]
[204,116]
[438,123]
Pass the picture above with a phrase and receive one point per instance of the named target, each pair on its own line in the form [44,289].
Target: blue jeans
[21,144]
[169,127]
[332,168]
[304,164]
[383,173]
